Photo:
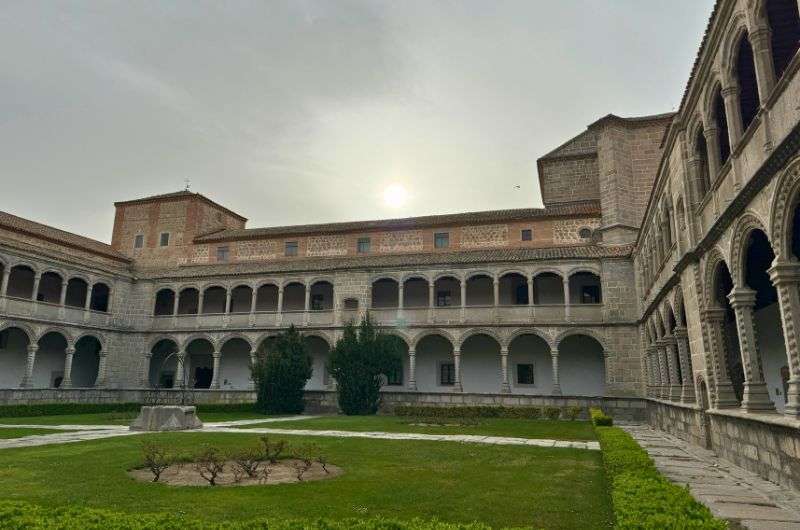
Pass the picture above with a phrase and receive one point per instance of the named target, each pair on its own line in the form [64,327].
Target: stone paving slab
[63,438]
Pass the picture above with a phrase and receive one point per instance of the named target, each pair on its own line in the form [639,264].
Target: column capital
[742,297]
[716,314]
[456,351]
[710,132]
[216,355]
[70,350]
[503,350]
[33,348]
[784,272]
[669,340]
[554,351]
[730,91]
[412,351]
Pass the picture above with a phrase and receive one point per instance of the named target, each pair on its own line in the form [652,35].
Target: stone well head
[166,418]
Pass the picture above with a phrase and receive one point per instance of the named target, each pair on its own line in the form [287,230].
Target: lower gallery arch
[85,362]
[480,364]
[48,368]
[397,379]
[731,353]
[234,365]
[199,364]
[319,350]
[530,368]
[13,357]
[435,365]
[581,366]
[163,364]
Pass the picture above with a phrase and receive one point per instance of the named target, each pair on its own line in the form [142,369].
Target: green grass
[6,434]
[456,482]
[558,430]
[119,418]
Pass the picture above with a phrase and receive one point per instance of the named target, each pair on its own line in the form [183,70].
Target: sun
[395,195]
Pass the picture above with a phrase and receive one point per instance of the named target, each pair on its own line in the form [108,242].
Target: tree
[280,374]
[358,361]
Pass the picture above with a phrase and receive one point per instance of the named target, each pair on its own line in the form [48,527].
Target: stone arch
[659,323]
[158,338]
[519,332]
[736,28]
[399,334]
[478,272]
[677,303]
[320,335]
[233,363]
[519,271]
[581,331]
[384,276]
[414,276]
[17,338]
[784,37]
[163,361]
[25,328]
[479,331]
[59,330]
[448,274]
[269,281]
[198,336]
[582,362]
[234,335]
[784,202]
[712,260]
[428,332]
[744,226]
[97,336]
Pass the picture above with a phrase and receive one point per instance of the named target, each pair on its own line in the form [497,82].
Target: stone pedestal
[166,418]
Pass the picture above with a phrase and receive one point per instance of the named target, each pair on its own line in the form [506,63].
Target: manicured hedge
[599,419]
[531,413]
[17,515]
[642,497]
[61,409]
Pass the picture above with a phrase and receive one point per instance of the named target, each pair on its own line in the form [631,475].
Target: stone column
[652,365]
[755,396]
[530,291]
[457,368]
[62,299]
[36,279]
[146,370]
[253,300]
[431,301]
[496,291]
[102,369]
[279,316]
[684,357]
[671,350]
[412,369]
[724,396]
[251,383]
[556,379]
[27,380]
[6,277]
[215,374]
[760,40]
[200,301]
[228,294]
[505,386]
[730,95]
[87,304]
[785,277]
[663,373]
[175,303]
[400,296]
[463,286]
[306,303]
[566,298]
[66,381]
[179,370]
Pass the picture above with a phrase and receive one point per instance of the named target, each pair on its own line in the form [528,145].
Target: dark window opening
[521,295]
[441,240]
[527,234]
[291,248]
[447,374]
[721,120]
[524,374]
[164,239]
[748,86]
[590,294]
[316,302]
[138,241]
[223,254]
[443,299]
[784,23]
[585,233]
[701,151]
[395,376]
[363,245]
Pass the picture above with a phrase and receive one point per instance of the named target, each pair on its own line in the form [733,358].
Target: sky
[305,111]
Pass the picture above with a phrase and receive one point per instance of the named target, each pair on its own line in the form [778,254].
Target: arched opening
[85,362]
[189,301]
[581,366]
[513,289]
[584,288]
[671,325]
[480,364]
[703,168]
[100,297]
[731,354]
[385,293]
[771,348]
[48,368]
[165,302]
[415,292]
[319,350]
[49,288]
[321,296]
[396,379]
[214,299]
[199,364]
[163,364]
[447,291]
[680,222]
[241,298]
[748,85]
[435,367]
[77,291]
[784,23]
[294,297]
[13,357]
[721,121]
[530,369]
[267,298]
[480,290]
[234,365]
[548,288]
[20,282]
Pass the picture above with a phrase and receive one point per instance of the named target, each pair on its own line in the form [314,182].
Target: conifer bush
[280,374]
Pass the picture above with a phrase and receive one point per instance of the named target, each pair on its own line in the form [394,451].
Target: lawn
[498,485]
[557,430]
[119,418]
[6,434]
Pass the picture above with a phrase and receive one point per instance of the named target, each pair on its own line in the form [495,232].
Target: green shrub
[552,413]
[642,497]
[281,373]
[573,413]
[599,419]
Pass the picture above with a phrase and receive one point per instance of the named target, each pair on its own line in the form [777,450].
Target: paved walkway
[730,492]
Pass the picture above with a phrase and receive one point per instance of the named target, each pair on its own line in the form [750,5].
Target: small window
[138,241]
[447,374]
[351,304]
[585,233]
[441,240]
[363,245]
[443,299]
[316,302]
[291,248]
[164,239]
[395,376]
[524,374]
[223,254]
[527,234]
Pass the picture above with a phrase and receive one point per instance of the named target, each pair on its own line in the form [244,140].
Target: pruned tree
[281,373]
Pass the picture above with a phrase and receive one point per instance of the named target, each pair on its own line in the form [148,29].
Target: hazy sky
[307,110]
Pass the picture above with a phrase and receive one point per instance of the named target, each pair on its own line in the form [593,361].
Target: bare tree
[156,458]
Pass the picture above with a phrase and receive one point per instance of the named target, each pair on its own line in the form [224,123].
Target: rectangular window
[223,254]
[590,294]
[527,234]
[441,240]
[164,239]
[316,302]
[524,374]
[395,377]
[291,248]
[138,241]
[363,245]
[447,374]
[443,299]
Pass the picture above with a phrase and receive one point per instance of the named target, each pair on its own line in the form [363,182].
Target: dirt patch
[282,472]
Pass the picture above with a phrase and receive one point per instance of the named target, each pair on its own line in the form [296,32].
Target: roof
[183,194]
[59,237]
[445,259]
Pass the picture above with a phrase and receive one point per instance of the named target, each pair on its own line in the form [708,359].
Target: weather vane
[188,184]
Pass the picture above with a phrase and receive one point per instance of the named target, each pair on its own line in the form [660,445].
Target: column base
[556,390]
[687,394]
[458,388]
[505,388]
[66,384]
[675,393]
[756,398]
[726,397]
[792,408]
[412,385]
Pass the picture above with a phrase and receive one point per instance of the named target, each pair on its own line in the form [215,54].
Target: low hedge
[16,515]
[641,496]
[530,413]
[599,418]
[61,409]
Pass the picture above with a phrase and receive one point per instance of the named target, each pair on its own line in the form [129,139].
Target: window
[590,294]
[447,374]
[441,240]
[363,245]
[527,234]
[524,374]
[585,233]
[164,239]
[138,241]
[223,253]
[351,304]
[443,299]
[521,295]
[316,302]
[291,248]
[395,376]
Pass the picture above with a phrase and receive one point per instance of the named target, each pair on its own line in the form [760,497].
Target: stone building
[661,279]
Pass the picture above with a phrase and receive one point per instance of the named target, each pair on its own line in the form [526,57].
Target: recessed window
[443,299]
[363,245]
[590,294]
[441,240]
[138,241]
[527,234]
[395,376]
[164,239]
[291,248]
[316,302]
[585,233]
[447,374]
[524,374]
[223,254]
